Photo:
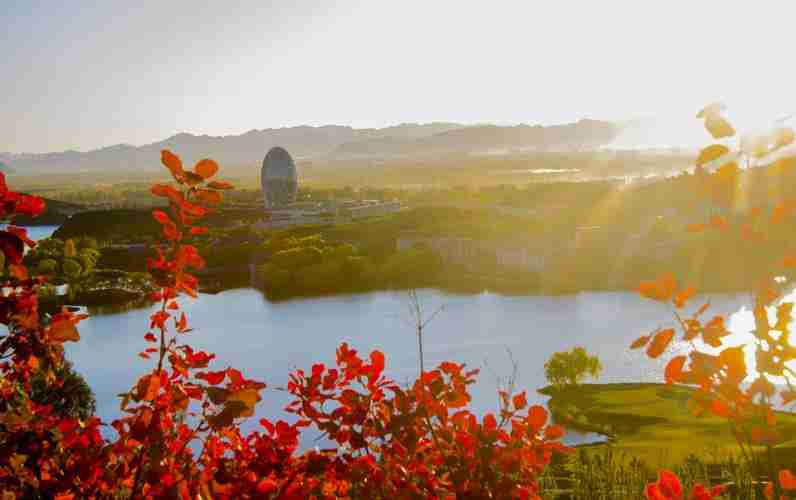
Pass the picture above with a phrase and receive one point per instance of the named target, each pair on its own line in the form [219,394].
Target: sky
[83,75]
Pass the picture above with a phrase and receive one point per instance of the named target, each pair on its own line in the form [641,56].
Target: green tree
[47,267]
[571,367]
[72,398]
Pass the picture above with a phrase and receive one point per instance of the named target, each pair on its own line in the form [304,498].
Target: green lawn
[651,421]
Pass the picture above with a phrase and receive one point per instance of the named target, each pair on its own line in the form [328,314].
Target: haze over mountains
[330,142]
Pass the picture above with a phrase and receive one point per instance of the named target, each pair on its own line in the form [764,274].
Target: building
[279,179]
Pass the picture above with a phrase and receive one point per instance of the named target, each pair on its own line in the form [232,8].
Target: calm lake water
[268,340]
[37,233]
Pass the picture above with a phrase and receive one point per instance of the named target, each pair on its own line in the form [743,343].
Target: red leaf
[12,246]
[212,378]
[161,216]
[377,362]
[520,401]
[537,417]
[206,168]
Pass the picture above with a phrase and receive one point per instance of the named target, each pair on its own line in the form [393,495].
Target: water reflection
[267,340]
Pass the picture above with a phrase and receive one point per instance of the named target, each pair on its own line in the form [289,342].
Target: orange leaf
[63,330]
[682,297]
[674,369]
[173,163]
[711,153]
[206,168]
[718,127]
[662,289]
[219,185]
[640,342]
[148,386]
[720,409]
[660,342]
[209,197]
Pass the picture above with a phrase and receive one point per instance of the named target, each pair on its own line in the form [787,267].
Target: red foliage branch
[181,437]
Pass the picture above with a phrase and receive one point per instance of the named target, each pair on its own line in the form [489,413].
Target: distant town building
[279,179]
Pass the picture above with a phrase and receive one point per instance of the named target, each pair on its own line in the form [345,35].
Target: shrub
[180,434]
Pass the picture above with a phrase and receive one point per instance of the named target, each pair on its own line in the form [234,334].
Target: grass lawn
[651,421]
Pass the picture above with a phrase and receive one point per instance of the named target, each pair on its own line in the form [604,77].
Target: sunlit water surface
[267,340]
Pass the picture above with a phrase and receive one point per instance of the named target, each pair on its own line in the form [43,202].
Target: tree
[571,367]
[73,398]
[47,267]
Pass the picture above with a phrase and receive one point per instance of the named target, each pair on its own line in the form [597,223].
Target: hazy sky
[81,75]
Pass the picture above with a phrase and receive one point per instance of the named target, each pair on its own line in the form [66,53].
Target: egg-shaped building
[279,178]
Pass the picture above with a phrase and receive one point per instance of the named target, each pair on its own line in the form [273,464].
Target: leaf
[552,432]
[674,369]
[537,417]
[209,197]
[212,378]
[12,246]
[660,342]
[377,362]
[206,168]
[217,395]
[193,179]
[18,271]
[682,297]
[711,109]
[661,290]
[787,480]
[640,342]
[147,387]
[711,153]
[718,127]
[249,398]
[520,401]
[173,163]
[64,330]
[669,484]
[220,185]
[161,216]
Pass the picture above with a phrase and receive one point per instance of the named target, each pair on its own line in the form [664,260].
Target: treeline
[311,265]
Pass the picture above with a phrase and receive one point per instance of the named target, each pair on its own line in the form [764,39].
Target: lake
[267,340]
[37,233]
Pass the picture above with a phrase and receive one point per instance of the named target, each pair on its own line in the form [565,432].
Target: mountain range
[331,142]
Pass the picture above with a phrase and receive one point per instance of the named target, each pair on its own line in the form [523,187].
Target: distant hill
[331,141]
